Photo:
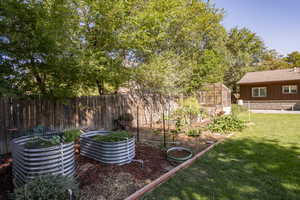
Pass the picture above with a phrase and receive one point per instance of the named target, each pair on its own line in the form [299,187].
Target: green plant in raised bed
[39,142]
[226,123]
[71,135]
[47,187]
[194,132]
[113,137]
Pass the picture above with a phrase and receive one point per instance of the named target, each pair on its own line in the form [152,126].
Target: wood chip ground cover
[113,182]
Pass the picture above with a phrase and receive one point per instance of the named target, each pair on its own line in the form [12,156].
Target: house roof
[271,76]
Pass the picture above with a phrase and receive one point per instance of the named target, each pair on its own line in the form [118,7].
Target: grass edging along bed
[151,186]
[31,162]
[104,147]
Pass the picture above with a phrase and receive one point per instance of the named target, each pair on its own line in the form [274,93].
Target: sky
[277,22]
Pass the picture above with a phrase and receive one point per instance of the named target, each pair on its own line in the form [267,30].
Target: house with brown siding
[273,89]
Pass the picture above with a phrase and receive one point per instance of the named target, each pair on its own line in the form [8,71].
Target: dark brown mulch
[154,165]
[6,185]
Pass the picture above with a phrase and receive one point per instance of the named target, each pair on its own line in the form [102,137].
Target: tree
[293,59]
[246,50]
[103,52]
[184,37]
[272,60]
[38,54]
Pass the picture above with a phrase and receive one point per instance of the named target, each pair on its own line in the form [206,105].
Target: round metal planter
[179,159]
[29,163]
[107,152]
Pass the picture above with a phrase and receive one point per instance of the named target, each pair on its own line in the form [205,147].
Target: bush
[194,132]
[47,187]
[188,110]
[226,123]
[113,137]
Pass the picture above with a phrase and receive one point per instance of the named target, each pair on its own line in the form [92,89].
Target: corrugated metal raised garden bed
[108,147]
[40,155]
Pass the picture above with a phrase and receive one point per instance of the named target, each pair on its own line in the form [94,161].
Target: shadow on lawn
[238,169]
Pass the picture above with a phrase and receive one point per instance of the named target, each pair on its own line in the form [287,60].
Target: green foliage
[113,137]
[189,109]
[71,135]
[226,124]
[67,48]
[195,132]
[245,49]
[38,54]
[168,40]
[40,142]
[54,187]
[293,59]
[178,124]
[272,60]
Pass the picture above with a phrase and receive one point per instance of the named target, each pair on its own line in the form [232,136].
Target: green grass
[262,162]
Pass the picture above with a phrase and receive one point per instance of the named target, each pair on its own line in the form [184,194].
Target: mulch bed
[103,181]
[154,164]
[91,172]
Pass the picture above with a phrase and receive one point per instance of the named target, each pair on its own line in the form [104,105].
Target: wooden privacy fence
[95,112]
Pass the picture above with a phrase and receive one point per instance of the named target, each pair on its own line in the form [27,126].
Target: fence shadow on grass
[238,170]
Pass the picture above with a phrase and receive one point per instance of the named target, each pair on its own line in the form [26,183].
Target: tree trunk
[100,85]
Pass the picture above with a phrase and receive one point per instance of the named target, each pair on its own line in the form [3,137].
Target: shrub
[194,132]
[71,135]
[113,137]
[47,187]
[226,123]
[188,110]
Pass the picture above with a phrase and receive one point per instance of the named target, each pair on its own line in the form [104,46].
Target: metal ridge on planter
[29,163]
[121,152]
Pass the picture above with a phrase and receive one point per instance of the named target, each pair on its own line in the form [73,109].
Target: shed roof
[271,76]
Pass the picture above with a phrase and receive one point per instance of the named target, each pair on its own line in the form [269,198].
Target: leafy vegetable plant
[71,135]
[194,132]
[113,137]
[225,124]
[47,187]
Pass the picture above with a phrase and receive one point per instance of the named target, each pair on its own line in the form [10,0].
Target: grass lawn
[262,162]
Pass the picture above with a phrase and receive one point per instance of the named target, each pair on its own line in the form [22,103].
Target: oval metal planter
[107,152]
[29,163]
[179,159]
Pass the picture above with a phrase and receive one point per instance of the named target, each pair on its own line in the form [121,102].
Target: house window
[259,92]
[289,89]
